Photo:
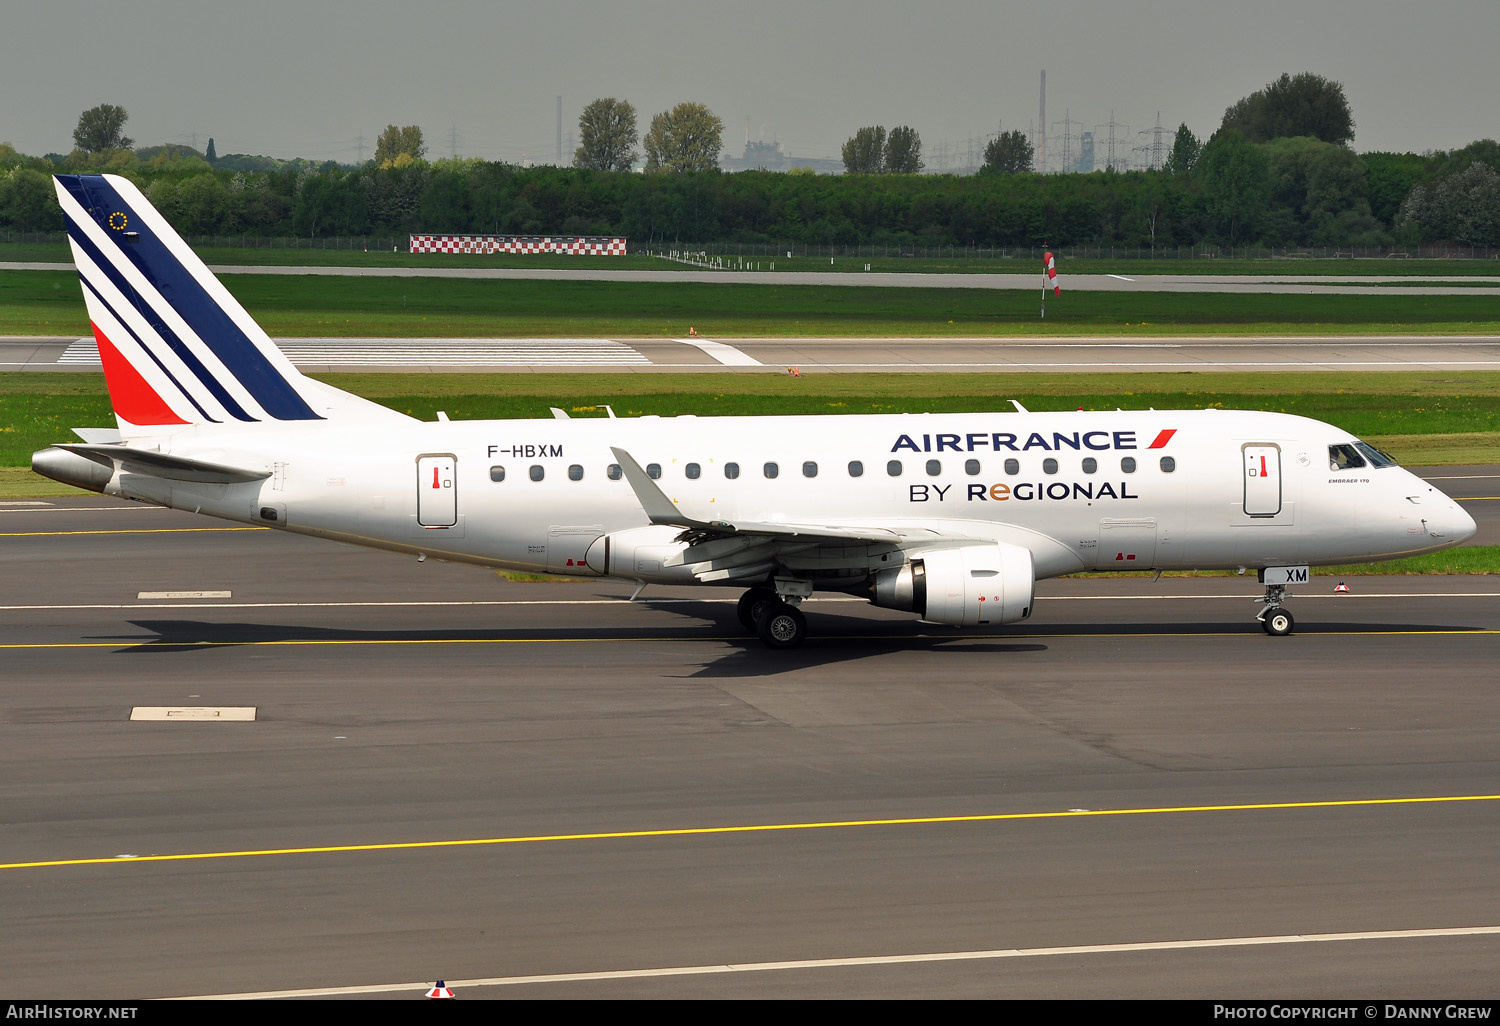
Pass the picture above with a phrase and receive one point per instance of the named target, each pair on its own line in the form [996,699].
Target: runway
[537,790]
[1094,354]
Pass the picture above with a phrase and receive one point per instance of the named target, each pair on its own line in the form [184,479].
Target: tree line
[1246,184]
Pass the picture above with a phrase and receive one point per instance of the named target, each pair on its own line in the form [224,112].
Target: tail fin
[177,348]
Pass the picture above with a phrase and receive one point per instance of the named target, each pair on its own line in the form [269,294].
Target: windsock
[1049,263]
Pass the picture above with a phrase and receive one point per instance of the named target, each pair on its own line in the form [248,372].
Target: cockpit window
[1375,456]
[1344,457]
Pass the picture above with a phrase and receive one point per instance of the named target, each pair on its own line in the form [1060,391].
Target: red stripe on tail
[131,395]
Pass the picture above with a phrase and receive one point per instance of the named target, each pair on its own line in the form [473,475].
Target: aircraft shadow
[833,638]
[202,635]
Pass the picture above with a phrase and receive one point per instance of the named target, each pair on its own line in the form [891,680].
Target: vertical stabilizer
[176,347]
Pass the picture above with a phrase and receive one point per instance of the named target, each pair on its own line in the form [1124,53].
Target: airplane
[951,517]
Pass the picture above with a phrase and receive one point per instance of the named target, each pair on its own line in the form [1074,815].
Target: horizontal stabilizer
[98,436]
[156,464]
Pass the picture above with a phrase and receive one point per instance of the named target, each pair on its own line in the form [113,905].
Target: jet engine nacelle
[964,586]
[641,553]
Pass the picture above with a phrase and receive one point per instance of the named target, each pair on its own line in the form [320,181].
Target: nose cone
[1462,526]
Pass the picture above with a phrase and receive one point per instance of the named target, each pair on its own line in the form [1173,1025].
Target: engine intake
[963,586]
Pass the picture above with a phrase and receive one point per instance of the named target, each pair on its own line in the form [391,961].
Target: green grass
[1468,559]
[1127,262]
[1471,559]
[49,303]
[21,483]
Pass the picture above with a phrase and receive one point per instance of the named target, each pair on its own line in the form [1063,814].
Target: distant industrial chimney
[1041,144]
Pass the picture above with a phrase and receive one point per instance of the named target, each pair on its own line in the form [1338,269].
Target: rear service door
[1262,462]
[437,496]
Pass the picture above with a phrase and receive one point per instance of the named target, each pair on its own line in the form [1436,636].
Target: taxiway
[540,789]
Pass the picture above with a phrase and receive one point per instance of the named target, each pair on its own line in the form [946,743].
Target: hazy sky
[308,77]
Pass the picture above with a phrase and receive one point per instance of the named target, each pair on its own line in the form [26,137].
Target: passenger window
[771,470]
[497,473]
[809,469]
[934,468]
[893,468]
[1168,464]
[1344,457]
[1012,467]
[653,471]
[971,467]
[1090,465]
[1049,465]
[614,472]
[692,470]
[1127,465]
[575,473]
[731,470]
[856,468]
[537,472]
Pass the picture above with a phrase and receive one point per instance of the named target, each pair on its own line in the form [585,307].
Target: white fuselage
[1080,491]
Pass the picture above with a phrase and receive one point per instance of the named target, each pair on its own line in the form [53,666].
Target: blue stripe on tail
[177,285]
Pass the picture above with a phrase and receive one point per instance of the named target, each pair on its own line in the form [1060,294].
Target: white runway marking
[727,355]
[869,960]
[1121,277]
[427,352]
[168,713]
[182,594]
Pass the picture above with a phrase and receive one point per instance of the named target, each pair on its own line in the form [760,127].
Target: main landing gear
[777,621]
[1274,619]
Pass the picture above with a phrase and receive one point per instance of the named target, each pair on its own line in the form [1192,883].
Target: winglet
[659,509]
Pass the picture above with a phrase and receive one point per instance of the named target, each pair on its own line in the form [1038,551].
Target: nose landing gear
[1274,619]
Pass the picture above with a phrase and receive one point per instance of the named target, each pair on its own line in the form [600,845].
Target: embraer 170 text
[952,517]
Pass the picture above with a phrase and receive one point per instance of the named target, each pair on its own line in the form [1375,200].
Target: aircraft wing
[662,510]
[726,550]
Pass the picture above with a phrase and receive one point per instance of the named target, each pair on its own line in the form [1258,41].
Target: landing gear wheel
[782,626]
[1277,622]
[752,604]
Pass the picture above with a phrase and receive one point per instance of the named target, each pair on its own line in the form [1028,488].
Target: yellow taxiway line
[758,828]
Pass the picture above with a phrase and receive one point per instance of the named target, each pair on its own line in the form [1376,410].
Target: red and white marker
[440,992]
[1341,586]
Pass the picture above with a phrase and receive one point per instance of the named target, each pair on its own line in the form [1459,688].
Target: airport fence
[689,252]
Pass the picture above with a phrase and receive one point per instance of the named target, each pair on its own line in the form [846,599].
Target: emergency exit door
[437,498]
[1262,479]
